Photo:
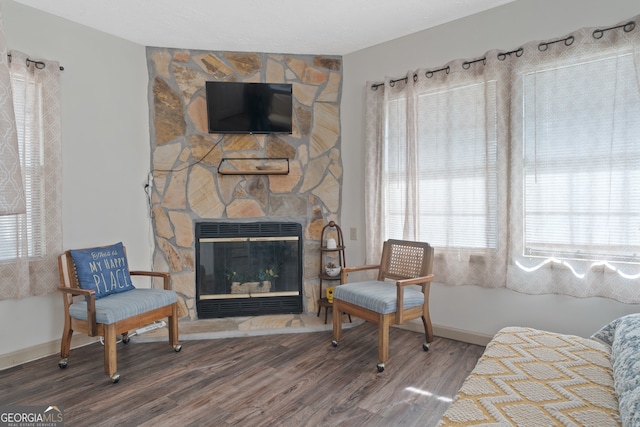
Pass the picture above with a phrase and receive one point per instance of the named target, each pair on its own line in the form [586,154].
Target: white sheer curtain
[11,191]
[522,168]
[31,241]
[436,170]
[576,156]
[374,194]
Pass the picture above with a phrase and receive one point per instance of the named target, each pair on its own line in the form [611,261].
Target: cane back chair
[390,299]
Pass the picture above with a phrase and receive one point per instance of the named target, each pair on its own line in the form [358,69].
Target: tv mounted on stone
[238,107]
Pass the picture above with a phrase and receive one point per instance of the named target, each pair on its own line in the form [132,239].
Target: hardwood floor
[272,380]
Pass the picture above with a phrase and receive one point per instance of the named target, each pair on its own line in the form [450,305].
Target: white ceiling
[326,27]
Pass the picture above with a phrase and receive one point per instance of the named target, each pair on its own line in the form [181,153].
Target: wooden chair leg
[337,322]
[110,353]
[173,328]
[383,338]
[428,328]
[65,342]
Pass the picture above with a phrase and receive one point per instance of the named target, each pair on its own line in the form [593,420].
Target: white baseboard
[448,332]
[41,350]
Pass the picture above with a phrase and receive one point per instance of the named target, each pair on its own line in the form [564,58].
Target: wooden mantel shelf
[253,166]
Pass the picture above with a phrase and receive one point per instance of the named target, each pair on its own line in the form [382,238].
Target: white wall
[105,143]
[471,308]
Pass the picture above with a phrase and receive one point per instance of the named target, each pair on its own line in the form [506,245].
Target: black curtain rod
[629,26]
[429,74]
[38,64]
[503,55]
[568,41]
[391,82]
[467,64]
[545,45]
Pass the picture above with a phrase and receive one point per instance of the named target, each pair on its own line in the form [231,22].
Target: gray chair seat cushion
[116,307]
[379,297]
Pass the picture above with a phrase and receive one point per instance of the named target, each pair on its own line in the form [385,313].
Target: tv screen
[235,107]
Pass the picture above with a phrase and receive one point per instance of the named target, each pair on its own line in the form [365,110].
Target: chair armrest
[360,268]
[165,276]
[415,280]
[90,297]
[347,270]
[76,291]
[400,284]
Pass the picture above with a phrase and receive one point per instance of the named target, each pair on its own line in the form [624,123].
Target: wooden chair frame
[397,267]
[70,288]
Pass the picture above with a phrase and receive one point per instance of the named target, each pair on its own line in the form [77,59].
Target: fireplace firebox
[248,269]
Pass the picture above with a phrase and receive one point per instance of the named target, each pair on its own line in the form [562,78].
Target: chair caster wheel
[177,347]
[425,346]
[115,378]
[334,343]
[126,339]
[63,363]
[380,367]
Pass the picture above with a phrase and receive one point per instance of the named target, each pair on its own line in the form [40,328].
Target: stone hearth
[184,157]
[250,326]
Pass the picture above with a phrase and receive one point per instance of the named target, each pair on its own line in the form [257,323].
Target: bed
[530,377]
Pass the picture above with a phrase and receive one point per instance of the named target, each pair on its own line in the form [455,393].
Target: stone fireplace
[186,188]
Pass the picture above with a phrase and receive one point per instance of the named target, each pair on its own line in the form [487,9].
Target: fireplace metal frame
[228,306]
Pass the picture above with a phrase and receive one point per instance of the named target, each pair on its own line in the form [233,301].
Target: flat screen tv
[237,107]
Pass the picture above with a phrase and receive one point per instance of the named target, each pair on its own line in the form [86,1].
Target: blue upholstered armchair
[390,299]
[111,305]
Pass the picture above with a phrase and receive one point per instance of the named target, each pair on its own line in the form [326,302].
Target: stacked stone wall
[184,156]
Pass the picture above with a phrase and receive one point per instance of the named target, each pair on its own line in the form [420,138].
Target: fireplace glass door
[248,269]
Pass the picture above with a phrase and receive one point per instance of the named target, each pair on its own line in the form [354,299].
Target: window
[31,224]
[582,160]
[456,167]
[521,167]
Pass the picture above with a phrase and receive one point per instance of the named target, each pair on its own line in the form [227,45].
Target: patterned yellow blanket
[527,377]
